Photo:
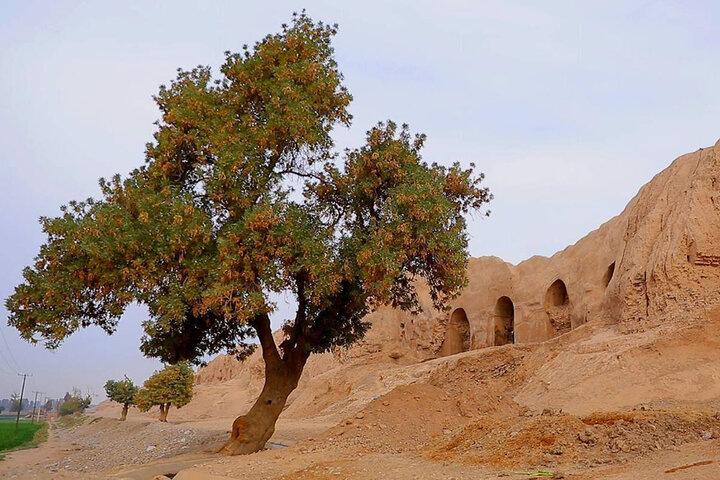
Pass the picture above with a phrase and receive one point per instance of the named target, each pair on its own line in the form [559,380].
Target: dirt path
[96,447]
[36,463]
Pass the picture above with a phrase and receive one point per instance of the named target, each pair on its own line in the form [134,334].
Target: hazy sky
[568,107]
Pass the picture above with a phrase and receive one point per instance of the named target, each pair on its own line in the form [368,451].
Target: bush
[74,403]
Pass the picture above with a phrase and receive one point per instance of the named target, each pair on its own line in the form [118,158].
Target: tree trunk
[250,432]
[164,409]
[123,416]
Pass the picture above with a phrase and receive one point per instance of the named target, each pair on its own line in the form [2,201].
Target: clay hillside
[602,361]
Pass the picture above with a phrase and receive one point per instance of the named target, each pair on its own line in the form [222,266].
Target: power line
[6,372]
[6,362]
[17,365]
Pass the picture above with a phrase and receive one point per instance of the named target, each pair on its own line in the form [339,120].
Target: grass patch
[27,435]
[69,421]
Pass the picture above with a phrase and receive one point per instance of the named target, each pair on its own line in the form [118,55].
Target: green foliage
[173,385]
[27,434]
[74,402]
[69,421]
[121,391]
[213,225]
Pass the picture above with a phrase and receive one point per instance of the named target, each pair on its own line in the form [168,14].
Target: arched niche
[457,334]
[504,320]
[557,306]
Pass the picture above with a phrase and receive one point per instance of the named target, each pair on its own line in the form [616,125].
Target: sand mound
[554,439]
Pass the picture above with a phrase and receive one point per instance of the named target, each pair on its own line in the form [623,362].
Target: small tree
[212,227]
[74,402]
[122,392]
[173,385]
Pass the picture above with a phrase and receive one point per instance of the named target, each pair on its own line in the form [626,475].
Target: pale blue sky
[569,107]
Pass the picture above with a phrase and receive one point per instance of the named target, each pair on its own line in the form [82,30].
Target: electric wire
[9,351]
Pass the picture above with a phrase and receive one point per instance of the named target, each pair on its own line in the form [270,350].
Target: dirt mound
[404,419]
[553,439]
[599,368]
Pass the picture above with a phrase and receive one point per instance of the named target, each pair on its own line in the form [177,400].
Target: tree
[214,225]
[122,392]
[173,385]
[74,402]
[15,403]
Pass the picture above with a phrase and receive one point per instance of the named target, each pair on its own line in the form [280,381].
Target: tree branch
[261,324]
[298,173]
[295,339]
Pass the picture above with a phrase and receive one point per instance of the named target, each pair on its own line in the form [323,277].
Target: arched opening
[504,321]
[609,274]
[457,334]
[557,306]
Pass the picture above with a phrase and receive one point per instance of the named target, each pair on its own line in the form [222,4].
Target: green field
[25,435]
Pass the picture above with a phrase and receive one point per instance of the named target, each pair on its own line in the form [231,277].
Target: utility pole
[22,392]
[32,417]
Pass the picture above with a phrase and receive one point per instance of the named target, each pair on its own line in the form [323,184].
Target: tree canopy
[209,227]
[173,385]
[243,197]
[121,391]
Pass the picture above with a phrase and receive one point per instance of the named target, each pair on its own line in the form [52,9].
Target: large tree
[243,197]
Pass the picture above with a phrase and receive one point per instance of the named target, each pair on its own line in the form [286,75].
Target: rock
[587,437]
[150,448]
[619,445]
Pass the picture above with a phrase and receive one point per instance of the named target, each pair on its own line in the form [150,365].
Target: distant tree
[173,385]
[122,392]
[74,402]
[15,403]
[210,229]
[1,409]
